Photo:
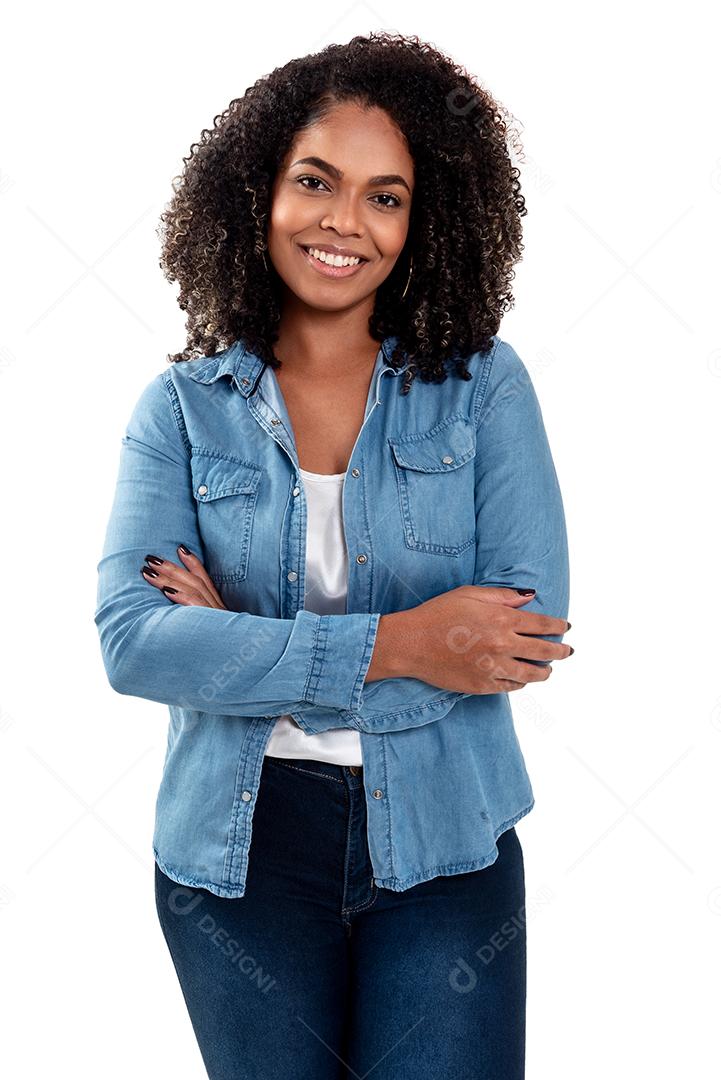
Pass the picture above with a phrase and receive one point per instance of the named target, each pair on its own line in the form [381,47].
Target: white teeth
[333,260]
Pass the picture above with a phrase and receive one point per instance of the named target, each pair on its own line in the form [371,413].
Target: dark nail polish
[149,572]
[155,559]
[525,592]
[167,589]
[572,650]
[184,549]
[568,627]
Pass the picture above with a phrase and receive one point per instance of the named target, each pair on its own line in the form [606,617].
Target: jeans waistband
[331,769]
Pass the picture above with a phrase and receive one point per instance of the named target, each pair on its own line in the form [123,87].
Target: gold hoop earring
[410,271]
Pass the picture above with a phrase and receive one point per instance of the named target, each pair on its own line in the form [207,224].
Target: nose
[343,217]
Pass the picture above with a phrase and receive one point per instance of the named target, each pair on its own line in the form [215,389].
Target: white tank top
[326,581]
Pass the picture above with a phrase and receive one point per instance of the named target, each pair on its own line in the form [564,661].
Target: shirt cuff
[340,659]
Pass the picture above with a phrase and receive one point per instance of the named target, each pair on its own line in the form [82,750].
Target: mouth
[331,271]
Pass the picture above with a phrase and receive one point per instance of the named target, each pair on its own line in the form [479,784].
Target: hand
[472,640]
[188,585]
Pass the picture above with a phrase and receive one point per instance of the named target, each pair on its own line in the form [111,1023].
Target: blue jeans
[318,974]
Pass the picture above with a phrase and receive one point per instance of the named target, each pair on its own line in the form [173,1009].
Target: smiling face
[345,187]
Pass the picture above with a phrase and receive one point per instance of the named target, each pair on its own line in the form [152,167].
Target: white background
[616,318]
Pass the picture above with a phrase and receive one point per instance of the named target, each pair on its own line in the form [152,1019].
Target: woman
[334,577]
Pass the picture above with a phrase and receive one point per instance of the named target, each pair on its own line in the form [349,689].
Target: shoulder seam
[480,394]
[174,402]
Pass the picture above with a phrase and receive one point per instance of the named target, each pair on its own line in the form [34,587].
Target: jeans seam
[366,903]
[345,910]
[308,772]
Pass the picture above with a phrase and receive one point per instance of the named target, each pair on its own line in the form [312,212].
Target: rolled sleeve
[340,659]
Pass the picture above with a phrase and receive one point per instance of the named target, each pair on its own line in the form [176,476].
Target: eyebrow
[375,181]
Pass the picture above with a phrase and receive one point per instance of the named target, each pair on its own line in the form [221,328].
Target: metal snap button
[361,558]
[447,459]
[202,489]
[276,421]
[246,796]
[296,491]
[292,576]
[355,472]
[377,794]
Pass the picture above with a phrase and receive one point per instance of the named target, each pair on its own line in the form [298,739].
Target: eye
[388,195]
[315,179]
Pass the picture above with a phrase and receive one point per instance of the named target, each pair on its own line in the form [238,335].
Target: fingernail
[167,589]
[525,592]
[155,559]
[184,549]
[149,572]
[572,650]
[568,627]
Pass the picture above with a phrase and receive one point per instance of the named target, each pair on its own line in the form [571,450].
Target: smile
[330,271]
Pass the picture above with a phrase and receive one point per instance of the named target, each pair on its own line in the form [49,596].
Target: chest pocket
[436,482]
[225,491]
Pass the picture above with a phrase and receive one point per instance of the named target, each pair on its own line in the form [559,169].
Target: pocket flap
[442,448]
[215,477]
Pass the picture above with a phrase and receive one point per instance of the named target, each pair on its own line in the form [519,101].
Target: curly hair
[464,231]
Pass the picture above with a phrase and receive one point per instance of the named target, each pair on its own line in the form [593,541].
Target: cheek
[391,237]
[289,217]
[281,218]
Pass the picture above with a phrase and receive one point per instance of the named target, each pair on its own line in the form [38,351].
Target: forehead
[356,140]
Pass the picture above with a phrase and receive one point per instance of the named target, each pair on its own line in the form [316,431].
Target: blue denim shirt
[449,485]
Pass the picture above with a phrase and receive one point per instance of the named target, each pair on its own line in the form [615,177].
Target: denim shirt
[452,484]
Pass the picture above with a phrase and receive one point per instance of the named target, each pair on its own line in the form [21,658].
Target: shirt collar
[244,367]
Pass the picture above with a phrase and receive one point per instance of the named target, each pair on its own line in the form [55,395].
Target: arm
[200,658]
[521,537]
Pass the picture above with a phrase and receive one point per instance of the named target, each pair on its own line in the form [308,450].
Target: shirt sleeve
[521,539]
[200,658]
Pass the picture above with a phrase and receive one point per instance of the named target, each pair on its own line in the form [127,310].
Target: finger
[534,648]
[177,577]
[533,622]
[519,670]
[506,685]
[169,573]
[185,597]
[195,565]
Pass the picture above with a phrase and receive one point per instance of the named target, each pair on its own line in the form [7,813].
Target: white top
[326,588]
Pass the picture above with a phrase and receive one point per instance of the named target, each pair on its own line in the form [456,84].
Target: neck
[325,344]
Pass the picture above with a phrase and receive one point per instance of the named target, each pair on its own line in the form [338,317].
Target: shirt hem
[228,892]
[397,884]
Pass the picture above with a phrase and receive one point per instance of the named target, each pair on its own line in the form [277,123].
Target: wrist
[391,657]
